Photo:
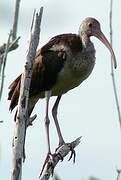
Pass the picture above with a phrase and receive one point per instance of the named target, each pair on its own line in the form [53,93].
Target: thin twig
[14,30]
[21,123]
[30,120]
[4,65]
[112,69]
[3,57]
[5,48]
[15,21]
[12,46]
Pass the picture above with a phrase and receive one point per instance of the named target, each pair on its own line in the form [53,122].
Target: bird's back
[50,62]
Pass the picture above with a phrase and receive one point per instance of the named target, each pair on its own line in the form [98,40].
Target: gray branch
[112,69]
[59,155]
[15,21]
[6,47]
[4,64]
[22,119]
[14,31]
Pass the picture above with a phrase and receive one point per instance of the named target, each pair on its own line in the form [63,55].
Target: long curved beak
[104,40]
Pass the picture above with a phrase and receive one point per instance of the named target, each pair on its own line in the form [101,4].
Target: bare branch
[30,120]
[13,44]
[4,64]
[59,155]
[15,21]
[18,146]
[9,46]
[112,69]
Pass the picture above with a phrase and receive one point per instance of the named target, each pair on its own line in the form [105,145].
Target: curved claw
[73,154]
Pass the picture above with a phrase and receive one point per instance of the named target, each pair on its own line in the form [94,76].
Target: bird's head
[91,27]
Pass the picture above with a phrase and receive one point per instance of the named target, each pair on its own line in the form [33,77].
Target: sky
[88,111]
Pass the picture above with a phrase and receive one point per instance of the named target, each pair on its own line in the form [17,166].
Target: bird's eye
[90,25]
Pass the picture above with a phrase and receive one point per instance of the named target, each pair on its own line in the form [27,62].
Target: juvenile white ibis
[61,65]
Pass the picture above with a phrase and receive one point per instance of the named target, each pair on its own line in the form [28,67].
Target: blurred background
[88,111]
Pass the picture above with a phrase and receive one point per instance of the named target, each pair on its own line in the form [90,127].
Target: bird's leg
[54,113]
[61,140]
[47,121]
[49,161]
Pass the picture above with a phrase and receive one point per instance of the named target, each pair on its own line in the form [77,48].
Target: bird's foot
[73,153]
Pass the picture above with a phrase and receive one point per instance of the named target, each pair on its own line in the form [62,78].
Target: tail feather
[14,92]
[13,84]
[13,96]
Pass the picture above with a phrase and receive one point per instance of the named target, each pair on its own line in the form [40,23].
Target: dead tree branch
[15,21]
[22,115]
[14,40]
[59,155]
[12,44]
[4,64]
[112,69]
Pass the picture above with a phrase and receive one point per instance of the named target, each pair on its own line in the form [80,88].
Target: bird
[61,65]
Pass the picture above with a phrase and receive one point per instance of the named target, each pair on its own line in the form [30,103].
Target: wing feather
[48,62]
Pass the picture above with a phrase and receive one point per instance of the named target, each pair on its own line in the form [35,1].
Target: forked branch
[11,44]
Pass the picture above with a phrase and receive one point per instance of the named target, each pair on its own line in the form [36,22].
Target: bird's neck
[87,44]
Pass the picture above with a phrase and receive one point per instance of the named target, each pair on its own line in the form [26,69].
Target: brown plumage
[61,65]
[47,65]
[13,94]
